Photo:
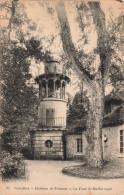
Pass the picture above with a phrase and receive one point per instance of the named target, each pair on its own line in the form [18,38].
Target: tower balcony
[59,122]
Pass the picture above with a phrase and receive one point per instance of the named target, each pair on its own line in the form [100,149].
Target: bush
[27,153]
[10,164]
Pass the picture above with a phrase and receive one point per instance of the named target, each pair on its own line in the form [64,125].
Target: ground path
[45,177]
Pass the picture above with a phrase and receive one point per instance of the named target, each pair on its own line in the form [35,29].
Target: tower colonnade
[52,87]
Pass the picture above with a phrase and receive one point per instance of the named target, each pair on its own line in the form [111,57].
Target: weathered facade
[113,127]
[114,143]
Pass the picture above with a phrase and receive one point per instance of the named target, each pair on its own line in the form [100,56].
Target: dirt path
[45,177]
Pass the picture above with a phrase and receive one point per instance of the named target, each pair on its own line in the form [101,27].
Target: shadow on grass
[111,170]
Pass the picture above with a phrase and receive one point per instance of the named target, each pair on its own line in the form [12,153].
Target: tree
[95,80]
[19,97]
[78,110]
[117,68]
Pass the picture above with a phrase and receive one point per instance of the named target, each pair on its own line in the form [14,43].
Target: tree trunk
[94,127]
[95,85]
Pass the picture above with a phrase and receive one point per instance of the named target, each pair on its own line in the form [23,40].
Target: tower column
[64,91]
[40,90]
[54,87]
[61,90]
[46,89]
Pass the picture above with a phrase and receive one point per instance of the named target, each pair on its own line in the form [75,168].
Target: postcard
[62,97]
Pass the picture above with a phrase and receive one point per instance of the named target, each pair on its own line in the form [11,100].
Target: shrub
[27,153]
[10,164]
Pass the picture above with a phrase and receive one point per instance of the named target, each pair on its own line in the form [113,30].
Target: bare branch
[13,8]
[69,48]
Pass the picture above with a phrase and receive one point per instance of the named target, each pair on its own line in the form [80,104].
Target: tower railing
[52,122]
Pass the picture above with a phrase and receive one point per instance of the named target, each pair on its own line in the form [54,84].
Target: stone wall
[71,152]
[67,143]
[41,151]
[111,144]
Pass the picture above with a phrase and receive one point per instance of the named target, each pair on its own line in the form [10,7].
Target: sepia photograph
[62,97]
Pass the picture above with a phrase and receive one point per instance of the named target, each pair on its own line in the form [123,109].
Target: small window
[48,143]
[121,141]
[79,145]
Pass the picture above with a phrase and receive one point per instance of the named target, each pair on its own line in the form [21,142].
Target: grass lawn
[113,169]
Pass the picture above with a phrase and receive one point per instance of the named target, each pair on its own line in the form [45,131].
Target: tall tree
[96,81]
[77,112]
[19,97]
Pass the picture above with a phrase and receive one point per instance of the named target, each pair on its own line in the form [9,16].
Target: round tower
[52,96]
[48,138]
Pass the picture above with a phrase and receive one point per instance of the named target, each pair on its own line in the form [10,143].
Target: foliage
[10,164]
[78,110]
[27,153]
[116,75]
[97,73]
[19,97]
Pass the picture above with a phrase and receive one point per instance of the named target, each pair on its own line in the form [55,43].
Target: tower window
[48,143]
[121,141]
[79,145]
